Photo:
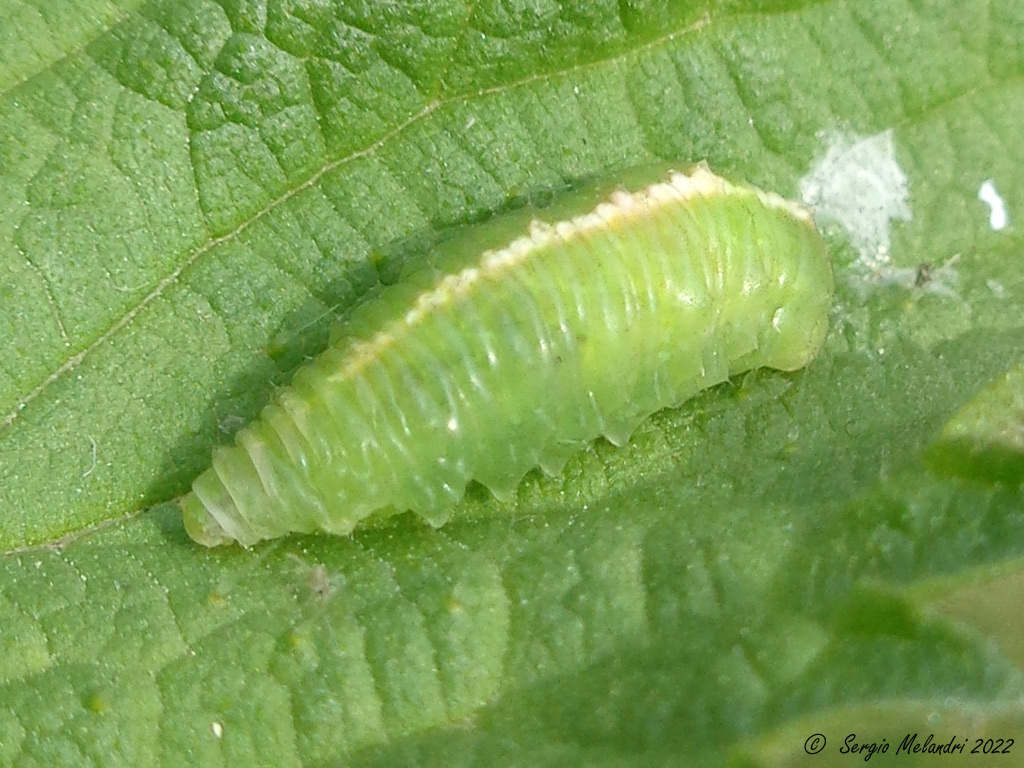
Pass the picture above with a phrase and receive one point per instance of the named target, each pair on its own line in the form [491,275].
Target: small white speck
[777,318]
[997,218]
[92,466]
[453,425]
[996,287]
[218,729]
[576,90]
[685,299]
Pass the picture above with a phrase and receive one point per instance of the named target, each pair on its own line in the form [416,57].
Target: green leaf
[985,439]
[191,193]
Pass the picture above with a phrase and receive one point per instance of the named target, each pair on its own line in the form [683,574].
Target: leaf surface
[192,192]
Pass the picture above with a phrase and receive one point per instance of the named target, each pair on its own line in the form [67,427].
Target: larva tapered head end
[200,525]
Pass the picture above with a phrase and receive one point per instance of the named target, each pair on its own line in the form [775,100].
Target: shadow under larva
[525,338]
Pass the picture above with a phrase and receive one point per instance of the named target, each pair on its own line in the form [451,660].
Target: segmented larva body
[527,338]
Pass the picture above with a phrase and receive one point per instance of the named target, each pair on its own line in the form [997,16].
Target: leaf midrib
[170,279]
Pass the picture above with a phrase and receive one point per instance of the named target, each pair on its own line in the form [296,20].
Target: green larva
[525,338]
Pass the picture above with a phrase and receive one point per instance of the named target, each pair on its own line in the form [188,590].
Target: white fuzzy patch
[859,185]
